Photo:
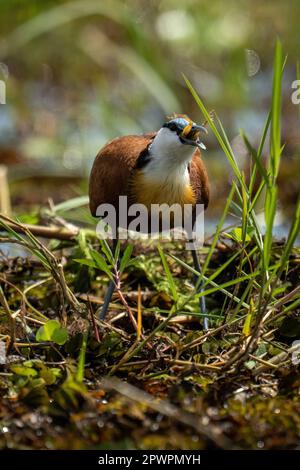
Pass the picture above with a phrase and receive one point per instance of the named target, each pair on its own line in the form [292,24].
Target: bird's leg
[199,284]
[110,290]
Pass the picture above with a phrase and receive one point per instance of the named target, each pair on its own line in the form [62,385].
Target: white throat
[169,158]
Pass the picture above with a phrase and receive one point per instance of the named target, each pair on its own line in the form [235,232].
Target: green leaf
[248,320]
[98,262]
[81,359]
[228,151]
[170,279]
[275,135]
[237,234]
[218,229]
[223,141]
[257,159]
[23,370]
[101,263]
[86,262]
[126,257]
[60,336]
[261,350]
[250,364]
[52,331]
[70,204]
[107,250]
[50,375]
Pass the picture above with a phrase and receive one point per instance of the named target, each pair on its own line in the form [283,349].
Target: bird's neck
[168,162]
[168,155]
[162,180]
[164,172]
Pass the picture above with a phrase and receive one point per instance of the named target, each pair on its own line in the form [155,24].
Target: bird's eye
[172,126]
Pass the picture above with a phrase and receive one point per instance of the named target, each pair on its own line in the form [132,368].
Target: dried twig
[194,365]
[275,361]
[57,233]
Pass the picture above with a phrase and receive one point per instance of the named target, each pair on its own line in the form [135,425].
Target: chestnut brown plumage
[114,164]
[112,169]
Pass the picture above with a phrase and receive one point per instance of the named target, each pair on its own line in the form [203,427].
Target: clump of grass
[262,294]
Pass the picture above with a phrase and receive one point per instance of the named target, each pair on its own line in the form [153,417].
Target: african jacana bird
[155,168]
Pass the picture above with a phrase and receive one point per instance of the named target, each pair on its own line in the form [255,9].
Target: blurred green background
[79,73]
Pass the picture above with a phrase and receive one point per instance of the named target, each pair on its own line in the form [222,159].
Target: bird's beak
[191,135]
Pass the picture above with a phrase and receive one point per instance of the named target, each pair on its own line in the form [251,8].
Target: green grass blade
[126,257]
[228,152]
[81,359]
[275,137]
[170,279]
[219,228]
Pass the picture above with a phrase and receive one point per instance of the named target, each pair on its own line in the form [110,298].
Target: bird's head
[187,131]
[178,138]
